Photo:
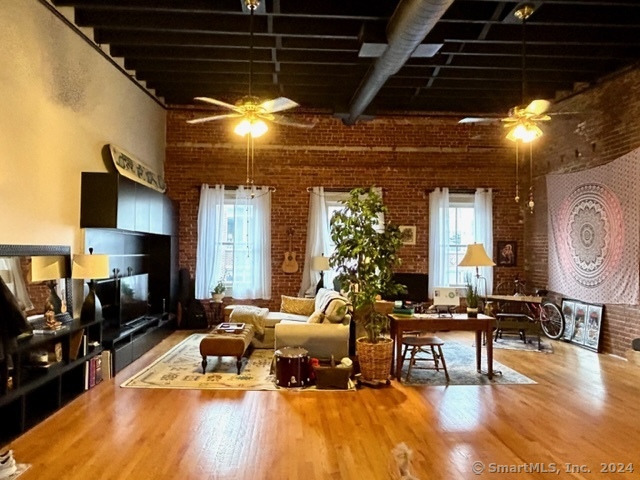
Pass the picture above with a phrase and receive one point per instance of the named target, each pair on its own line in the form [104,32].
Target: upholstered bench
[223,344]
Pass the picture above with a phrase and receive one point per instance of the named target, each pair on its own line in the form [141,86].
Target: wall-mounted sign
[130,167]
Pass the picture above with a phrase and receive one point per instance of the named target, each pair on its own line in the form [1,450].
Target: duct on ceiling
[407,28]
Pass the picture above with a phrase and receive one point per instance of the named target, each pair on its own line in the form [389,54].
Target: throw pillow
[336,310]
[297,305]
[316,317]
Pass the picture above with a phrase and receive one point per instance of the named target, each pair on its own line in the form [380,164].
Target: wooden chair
[418,345]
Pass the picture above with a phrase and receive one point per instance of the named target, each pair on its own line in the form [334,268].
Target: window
[234,242]
[333,204]
[461,234]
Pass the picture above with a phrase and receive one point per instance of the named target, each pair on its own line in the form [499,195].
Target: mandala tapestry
[593,232]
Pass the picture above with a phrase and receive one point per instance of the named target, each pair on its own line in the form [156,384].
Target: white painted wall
[61,102]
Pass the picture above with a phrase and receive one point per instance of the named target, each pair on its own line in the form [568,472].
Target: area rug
[514,343]
[461,365]
[181,368]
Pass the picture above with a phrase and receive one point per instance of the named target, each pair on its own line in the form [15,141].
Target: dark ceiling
[309,50]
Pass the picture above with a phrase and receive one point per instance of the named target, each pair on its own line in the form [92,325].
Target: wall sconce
[90,267]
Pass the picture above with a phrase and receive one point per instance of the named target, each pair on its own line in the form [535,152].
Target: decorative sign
[130,167]
[583,323]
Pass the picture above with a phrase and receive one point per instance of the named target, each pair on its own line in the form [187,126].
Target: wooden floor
[584,411]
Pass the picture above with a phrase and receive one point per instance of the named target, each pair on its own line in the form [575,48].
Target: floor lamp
[476,256]
[320,264]
[90,267]
[49,269]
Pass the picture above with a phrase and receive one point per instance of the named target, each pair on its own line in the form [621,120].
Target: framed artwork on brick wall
[507,254]
[408,234]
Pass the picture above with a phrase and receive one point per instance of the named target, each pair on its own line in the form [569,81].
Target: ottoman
[226,344]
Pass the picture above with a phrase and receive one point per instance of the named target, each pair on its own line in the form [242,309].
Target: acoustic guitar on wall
[290,265]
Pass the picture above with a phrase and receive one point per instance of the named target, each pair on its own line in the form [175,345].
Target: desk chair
[418,345]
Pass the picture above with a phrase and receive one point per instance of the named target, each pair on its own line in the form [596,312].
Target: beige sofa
[288,329]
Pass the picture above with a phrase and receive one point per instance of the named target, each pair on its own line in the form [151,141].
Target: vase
[375,358]
[472,312]
[217,297]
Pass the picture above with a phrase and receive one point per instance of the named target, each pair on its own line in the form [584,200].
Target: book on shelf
[106,364]
[93,372]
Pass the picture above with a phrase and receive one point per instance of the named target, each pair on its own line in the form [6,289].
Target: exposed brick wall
[406,156]
[606,127]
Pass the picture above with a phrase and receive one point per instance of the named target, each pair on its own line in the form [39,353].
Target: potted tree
[217,294]
[366,253]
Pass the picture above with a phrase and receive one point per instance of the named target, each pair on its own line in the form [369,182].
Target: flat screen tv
[417,287]
[134,298]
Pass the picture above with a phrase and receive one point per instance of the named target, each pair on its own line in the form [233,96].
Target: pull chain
[517,197]
[531,202]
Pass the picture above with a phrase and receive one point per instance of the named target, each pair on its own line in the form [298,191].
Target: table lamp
[320,264]
[90,267]
[476,256]
[49,269]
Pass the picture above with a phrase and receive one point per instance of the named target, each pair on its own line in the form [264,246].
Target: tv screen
[417,287]
[134,298]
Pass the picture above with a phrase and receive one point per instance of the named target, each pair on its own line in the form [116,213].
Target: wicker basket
[330,377]
[375,358]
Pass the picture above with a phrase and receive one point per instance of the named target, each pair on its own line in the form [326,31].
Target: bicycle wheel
[551,320]
[509,287]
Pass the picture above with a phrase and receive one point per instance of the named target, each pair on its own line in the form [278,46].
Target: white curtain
[438,238]
[483,209]
[252,243]
[318,240]
[11,272]
[209,256]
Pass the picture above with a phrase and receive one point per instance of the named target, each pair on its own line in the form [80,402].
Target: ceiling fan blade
[283,120]
[214,117]
[219,103]
[277,105]
[478,120]
[540,118]
[538,107]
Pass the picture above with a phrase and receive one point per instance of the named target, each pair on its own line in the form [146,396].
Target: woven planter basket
[375,358]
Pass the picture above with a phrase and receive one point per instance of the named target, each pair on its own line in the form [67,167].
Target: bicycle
[546,311]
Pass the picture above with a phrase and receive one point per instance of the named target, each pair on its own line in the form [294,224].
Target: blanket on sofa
[252,315]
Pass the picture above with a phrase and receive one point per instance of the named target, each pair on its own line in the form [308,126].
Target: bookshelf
[47,372]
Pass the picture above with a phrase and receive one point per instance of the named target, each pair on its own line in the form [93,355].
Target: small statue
[50,320]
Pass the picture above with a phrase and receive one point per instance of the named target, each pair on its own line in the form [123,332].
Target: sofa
[320,325]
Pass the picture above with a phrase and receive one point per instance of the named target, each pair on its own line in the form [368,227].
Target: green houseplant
[472,296]
[365,255]
[217,294]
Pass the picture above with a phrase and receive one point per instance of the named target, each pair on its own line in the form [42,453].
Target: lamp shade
[90,266]
[320,263]
[524,132]
[48,268]
[476,257]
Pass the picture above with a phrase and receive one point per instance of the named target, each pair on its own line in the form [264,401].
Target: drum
[292,367]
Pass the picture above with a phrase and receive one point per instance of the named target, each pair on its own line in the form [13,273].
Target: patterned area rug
[181,368]
[514,343]
[461,364]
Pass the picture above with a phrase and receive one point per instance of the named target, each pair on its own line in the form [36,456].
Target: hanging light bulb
[524,132]
[255,128]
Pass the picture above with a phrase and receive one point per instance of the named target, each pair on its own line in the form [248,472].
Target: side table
[216,313]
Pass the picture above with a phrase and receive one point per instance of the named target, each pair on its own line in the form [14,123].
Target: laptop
[446,296]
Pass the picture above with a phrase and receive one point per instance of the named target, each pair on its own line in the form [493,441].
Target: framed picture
[593,328]
[568,309]
[507,253]
[579,323]
[408,234]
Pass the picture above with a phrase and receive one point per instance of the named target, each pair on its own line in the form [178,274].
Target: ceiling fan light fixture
[524,132]
[254,128]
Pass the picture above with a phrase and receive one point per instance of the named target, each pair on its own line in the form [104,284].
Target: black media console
[130,342]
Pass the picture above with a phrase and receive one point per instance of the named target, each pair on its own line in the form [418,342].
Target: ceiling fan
[522,120]
[250,108]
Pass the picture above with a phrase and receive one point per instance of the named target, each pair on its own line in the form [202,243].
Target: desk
[435,323]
